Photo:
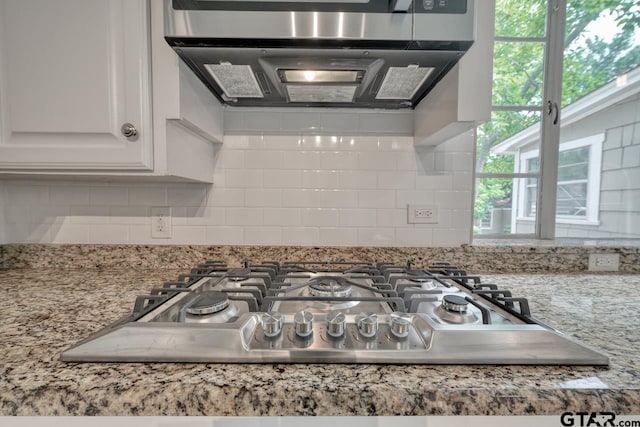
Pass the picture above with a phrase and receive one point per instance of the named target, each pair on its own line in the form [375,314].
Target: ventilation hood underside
[318,59]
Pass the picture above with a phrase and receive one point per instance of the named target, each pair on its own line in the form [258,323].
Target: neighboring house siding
[620,185]
[619,208]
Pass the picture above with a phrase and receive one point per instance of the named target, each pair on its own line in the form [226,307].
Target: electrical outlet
[604,262]
[422,214]
[161,223]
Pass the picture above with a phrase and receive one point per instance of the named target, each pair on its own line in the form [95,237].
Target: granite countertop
[47,310]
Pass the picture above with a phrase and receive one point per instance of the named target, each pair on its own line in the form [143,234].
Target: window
[578,195]
[564,71]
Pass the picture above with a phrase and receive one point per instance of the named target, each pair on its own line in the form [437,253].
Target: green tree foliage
[590,62]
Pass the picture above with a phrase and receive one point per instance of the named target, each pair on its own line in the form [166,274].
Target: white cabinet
[462,99]
[73,72]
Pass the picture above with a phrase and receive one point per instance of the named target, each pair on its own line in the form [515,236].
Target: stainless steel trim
[288,25]
[375,335]
[446,27]
[456,344]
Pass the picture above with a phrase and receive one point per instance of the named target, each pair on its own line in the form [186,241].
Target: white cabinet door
[72,72]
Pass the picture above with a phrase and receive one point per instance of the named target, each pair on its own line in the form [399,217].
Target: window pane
[572,199]
[573,164]
[496,148]
[517,73]
[520,18]
[497,199]
[530,200]
[599,184]
[602,44]
[493,204]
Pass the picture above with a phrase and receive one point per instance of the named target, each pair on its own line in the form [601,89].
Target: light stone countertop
[46,310]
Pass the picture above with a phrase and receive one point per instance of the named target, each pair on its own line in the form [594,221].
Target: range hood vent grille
[403,82]
[237,81]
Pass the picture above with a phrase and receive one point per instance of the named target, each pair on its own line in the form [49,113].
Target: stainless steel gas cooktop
[336,312]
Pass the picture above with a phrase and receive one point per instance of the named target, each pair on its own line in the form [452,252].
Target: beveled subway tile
[282,216]
[396,180]
[303,236]
[357,217]
[339,236]
[383,199]
[282,178]
[263,235]
[320,179]
[319,217]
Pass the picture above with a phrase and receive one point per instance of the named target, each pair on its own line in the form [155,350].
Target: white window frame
[549,127]
[594,143]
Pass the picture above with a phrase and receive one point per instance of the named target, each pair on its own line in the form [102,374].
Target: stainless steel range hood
[355,53]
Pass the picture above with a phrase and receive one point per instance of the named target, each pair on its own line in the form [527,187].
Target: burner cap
[238,274]
[329,287]
[454,303]
[208,303]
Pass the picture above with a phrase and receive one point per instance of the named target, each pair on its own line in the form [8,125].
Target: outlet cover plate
[604,262]
[161,227]
[422,214]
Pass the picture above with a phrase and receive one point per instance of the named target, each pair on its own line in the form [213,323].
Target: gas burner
[208,303]
[329,287]
[454,303]
[209,307]
[424,283]
[453,309]
[238,274]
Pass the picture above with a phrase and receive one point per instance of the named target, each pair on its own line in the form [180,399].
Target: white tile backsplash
[242,178]
[89,215]
[282,216]
[338,160]
[380,199]
[357,218]
[303,236]
[282,179]
[109,196]
[244,216]
[396,180]
[319,217]
[263,197]
[68,233]
[224,235]
[320,179]
[69,196]
[339,236]
[357,180]
[130,215]
[145,196]
[109,234]
[263,235]
[269,190]
[19,194]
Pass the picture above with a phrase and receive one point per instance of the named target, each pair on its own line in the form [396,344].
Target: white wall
[271,190]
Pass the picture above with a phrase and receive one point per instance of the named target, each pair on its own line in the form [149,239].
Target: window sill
[564,221]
